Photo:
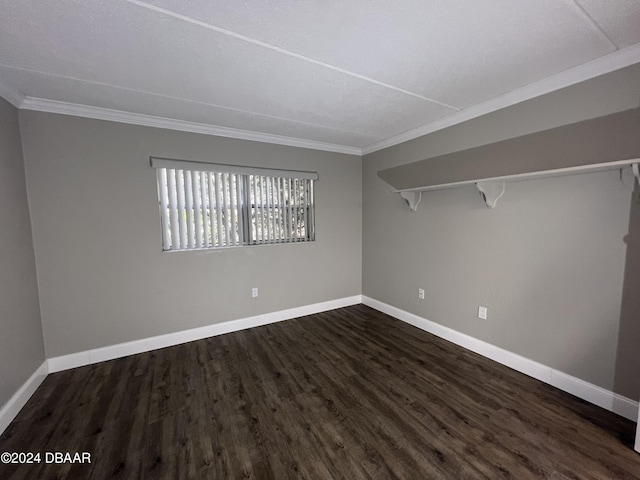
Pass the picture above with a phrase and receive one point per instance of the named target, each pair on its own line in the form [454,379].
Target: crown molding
[600,66]
[99,113]
[11,94]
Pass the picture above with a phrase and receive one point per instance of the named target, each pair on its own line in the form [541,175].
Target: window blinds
[210,205]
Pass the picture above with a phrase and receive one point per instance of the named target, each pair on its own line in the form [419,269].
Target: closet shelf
[492,188]
[609,142]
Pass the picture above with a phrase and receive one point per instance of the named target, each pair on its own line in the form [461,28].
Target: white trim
[578,169]
[600,66]
[637,444]
[587,391]
[157,162]
[22,396]
[180,99]
[597,395]
[592,393]
[96,355]
[99,113]
[11,94]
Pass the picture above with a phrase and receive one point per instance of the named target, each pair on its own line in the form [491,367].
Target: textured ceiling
[341,73]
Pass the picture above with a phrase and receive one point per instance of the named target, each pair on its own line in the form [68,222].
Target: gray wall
[21,347]
[596,141]
[103,277]
[628,356]
[548,261]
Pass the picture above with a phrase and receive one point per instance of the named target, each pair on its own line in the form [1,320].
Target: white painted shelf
[492,188]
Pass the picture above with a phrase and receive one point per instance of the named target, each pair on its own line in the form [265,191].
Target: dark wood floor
[349,394]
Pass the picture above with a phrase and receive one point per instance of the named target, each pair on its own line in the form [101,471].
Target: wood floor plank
[351,393]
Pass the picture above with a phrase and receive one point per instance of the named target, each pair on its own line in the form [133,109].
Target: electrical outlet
[254,292]
[421,293]
[482,313]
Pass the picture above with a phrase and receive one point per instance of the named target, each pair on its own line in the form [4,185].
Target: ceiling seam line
[135,90]
[284,51]
[595,24]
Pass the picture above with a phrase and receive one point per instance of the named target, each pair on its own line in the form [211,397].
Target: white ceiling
[349,76]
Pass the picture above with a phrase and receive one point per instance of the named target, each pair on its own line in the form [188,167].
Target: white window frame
[211,206]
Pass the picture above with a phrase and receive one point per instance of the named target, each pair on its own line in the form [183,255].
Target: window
[206,205]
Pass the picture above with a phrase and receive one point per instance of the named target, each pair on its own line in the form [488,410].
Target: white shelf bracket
[636,170]
[412,198]
[491,192]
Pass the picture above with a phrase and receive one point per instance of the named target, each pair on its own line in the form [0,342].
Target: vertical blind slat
[277,218]
[275,195]
[286,212]
[188,192]
[270,217]
[197,206]
[276,209]
[281,225]
[245,196]
[258,217]
[182,214]
[253,208]
[301,210]
[218,199]
[285,191]
[269,209]
[265,209]
[292,223]
[179,206]
[263,237]
[204,208]
[312,212]
[173,208]
[290,210]
[164,208]
[253,224]
[296,203]
[306,209]
[226,206]
[239,212]
[211,193]
[233,194]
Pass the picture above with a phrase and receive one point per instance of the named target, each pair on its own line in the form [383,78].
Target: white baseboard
[601,397]
[637,444]
[96,355]
[20,398]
